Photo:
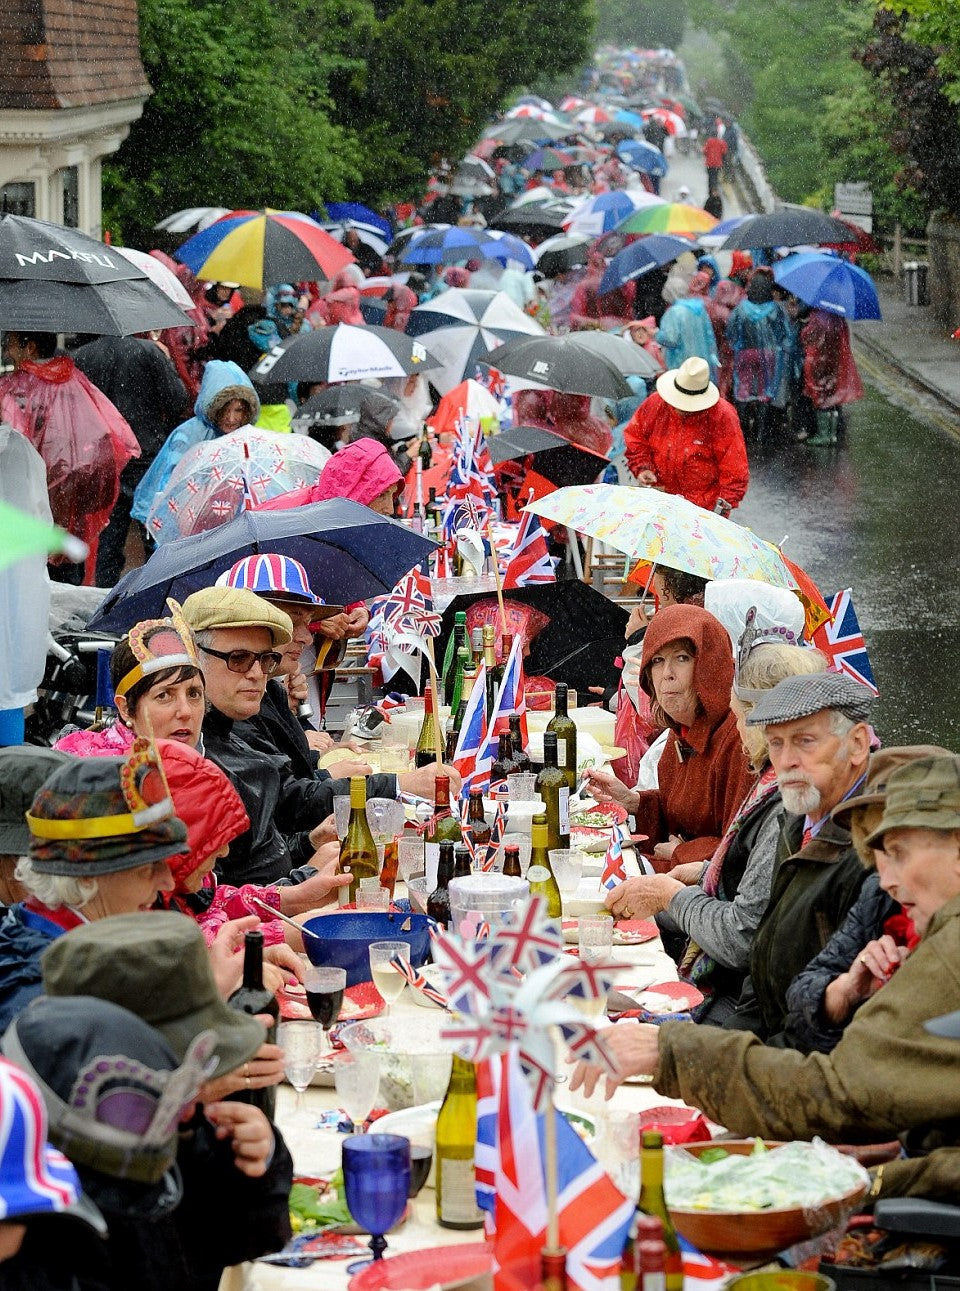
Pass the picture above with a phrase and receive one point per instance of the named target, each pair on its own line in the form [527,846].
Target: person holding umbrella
[685,439]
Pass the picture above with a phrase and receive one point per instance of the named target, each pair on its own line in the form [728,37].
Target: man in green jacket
[889,1075]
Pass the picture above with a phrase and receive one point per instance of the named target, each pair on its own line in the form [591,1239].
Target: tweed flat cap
[233,607]
[797,697]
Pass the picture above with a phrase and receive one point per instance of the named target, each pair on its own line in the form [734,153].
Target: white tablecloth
[317,1151]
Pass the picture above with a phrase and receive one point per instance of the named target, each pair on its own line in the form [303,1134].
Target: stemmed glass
[325,987]
[386,978]
[356,1075]
[302,1045]
[376,1178]
[567,865]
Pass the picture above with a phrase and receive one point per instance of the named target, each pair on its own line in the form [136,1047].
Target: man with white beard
[818,735]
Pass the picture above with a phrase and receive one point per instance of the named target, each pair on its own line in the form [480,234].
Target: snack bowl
[345,937]
[414,1061]
[759,1233]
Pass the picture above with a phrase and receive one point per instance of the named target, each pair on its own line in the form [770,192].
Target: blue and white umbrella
[450,246]
[602,213]
[512,248]
[825,282]
[642,257]
[643,156]
[462,326]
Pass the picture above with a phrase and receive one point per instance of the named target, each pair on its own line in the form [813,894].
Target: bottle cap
[651,1139]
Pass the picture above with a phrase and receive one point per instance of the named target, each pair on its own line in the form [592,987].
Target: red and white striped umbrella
[592,115]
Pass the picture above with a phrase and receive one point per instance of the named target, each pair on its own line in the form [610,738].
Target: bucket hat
[103,815]
[881,766]
[35,1179]
[688,388]
[277,578]
[232,607]
[113,1088]
[23,769]
[157,966]
[802,696]
[924,794]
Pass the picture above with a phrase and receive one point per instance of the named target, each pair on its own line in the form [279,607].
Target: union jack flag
[529,941]
[509,699]
[222,507]
[613,871]
[842,641]
[411,596]
[594,1216]
[472,755]
[465,973]
[529,560]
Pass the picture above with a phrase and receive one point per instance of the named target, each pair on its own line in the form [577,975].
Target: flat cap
[797,697]
[233,607]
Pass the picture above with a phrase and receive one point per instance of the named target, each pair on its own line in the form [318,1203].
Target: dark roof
[64,54]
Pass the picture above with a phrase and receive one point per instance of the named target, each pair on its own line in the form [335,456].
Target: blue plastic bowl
[346,939]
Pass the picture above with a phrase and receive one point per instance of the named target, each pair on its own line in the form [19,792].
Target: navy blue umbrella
[641,257]
[643,156]
[350,553]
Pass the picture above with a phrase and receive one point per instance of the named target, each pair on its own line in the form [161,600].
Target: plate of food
[665,999]
[359,1003]
[317,1203]
[590,825]
[626,932]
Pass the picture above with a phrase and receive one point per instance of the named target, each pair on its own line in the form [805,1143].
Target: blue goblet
[376,1177]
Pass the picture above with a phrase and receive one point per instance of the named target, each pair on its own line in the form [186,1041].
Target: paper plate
[444,1266]
[632,932]
[359,1003]
[687,996]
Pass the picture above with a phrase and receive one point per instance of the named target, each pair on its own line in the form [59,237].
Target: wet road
[879,514]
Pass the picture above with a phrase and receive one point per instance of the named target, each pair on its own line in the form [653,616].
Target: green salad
[804,1175]
[309,1208]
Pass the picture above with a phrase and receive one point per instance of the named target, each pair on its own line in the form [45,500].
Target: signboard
[855,203]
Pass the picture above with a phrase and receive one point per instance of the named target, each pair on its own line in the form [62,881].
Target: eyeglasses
[243,660]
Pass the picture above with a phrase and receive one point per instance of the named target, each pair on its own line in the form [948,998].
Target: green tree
[240,112]
[653,24]
[437,69]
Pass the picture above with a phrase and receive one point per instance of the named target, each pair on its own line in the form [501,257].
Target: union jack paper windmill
[502,1009]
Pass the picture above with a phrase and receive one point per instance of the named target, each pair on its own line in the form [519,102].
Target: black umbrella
[349,552]
[342,404]
[581,641]
[563,252]
[55,279]
[562,363]
[790,226]
[555,458]
[344,353]
[533,221]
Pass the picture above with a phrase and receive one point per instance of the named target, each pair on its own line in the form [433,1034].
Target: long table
[317,1151]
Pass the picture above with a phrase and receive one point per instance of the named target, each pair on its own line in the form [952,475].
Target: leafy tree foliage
[240,111]
[651,24]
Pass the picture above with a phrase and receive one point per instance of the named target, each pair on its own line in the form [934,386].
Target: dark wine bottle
[553,789]
[438,902]
[252,997]
[494,671]
[521,757]
[476,820]
[505,764]
[564,727]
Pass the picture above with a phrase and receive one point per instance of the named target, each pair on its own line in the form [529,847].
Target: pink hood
[361,471]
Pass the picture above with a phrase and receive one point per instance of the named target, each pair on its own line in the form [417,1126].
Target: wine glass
[388,980]
[302,1045]
[376,1180]
[356,1075]
[421,1158]
[325,987]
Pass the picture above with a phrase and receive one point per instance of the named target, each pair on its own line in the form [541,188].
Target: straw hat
[688,388]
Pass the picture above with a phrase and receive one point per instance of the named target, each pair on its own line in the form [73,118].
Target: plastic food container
[485,898]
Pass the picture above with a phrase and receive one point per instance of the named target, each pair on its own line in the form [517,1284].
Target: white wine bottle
[456,1136]
[358,852]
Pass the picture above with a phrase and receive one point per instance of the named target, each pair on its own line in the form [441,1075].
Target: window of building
[71,196]
[18,199]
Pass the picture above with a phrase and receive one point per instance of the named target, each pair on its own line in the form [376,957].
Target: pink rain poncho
[830,376]
[84,441]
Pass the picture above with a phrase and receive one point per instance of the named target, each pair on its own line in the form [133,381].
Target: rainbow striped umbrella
[260,248]
[671,217]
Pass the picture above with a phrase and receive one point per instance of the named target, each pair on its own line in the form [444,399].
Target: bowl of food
[343,939]
[745,1197]
[414,1061]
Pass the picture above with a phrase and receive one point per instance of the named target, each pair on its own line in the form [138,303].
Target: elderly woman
[687,669]
[97,849]
[717,905]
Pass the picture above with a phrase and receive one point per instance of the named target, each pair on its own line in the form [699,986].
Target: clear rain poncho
[761,338]
[686,332]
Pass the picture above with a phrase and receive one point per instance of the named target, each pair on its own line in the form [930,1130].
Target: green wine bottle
[565,729]
[653,1201]
[553,789]
[358,852]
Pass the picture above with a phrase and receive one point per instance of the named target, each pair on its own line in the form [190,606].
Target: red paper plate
[677,991]
[631,932]
[418,1270]
[613,809]
[360,1002]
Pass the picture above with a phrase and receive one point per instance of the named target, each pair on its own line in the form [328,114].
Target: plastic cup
[567,864]
[410,857]
[371,896]
[595,934]
[521,786]
[341,814]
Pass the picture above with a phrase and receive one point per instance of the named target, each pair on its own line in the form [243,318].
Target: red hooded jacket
[703,774]
[699,455]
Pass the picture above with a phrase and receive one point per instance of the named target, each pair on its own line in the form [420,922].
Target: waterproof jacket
[761,337]
[886,1076]
[699,455]
[686,333]
[703,773]
[813,888]
[806,1027]
[221,382]
[23,939]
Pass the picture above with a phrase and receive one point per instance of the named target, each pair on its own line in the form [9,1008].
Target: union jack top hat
[277,578]
[35,1179]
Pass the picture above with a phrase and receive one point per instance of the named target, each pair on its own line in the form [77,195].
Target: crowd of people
[804,878]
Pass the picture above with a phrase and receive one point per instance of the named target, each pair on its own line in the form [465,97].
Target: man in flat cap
[819,740]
